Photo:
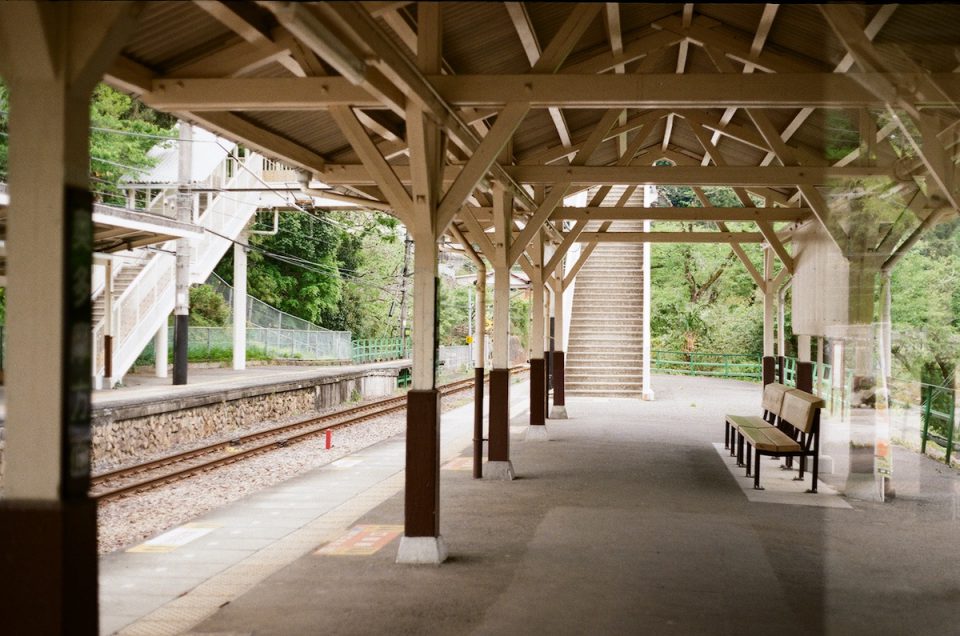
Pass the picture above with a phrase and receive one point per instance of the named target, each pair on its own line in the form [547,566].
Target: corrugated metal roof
[173,32]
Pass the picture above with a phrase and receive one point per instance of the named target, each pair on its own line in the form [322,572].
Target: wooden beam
[736,44]
[750,177]
[383,175]
[555,153]
[733,176]
[671,237]
[766,227]
[581,260]
[634,49]
[415,85]
[563,91]
[535,222]
[481,238]
[739,251]
[531,46]
[599,213]
[787,157]
[568,240]
[254,136]
[570,32]
[479,164]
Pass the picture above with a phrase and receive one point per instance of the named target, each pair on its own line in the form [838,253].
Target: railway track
[172,468]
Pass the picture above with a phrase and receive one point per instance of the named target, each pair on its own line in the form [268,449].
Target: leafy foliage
[113,154]
[703,298]
[207,307]
[338,270]
[925,290]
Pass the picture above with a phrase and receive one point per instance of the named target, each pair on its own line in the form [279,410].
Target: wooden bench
[797,434]
[770,403]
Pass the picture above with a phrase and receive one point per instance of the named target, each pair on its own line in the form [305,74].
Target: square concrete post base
[648,396]
[422,550]
[558,413]
[500,471]
[864,486]
[537,433]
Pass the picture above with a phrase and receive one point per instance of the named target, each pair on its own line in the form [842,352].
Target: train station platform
[144,393]
[143,389]
[629,520]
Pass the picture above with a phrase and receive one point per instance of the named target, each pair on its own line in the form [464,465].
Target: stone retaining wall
[136,433]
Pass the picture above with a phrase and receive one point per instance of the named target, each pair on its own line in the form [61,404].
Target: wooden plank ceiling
[787,104]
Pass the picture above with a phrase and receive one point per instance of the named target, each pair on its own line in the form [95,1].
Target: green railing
[380,349]
[937,404]
[722,365]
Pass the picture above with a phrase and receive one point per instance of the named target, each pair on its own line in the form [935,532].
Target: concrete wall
[820,282]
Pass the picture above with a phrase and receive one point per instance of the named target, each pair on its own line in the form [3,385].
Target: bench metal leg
[726,435]
[749,457]
[815,473]
[803,467]
[739,449]
[756,474]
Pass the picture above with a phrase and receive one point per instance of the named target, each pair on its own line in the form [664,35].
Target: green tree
[122,132]
[207,307]
[337,270]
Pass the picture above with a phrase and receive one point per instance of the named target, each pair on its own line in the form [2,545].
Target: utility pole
[181,309]
[407,243]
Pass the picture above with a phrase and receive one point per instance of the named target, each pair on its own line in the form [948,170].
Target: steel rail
[281,435]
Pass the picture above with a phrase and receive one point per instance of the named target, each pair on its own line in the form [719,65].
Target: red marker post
[329,439]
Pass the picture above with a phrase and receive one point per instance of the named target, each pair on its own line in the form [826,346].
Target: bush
[207,307]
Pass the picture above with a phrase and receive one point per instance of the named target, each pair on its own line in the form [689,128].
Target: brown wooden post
[805,376]
[538,384]
[769,370]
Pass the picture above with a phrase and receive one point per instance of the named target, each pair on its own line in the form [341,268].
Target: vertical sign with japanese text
[75,366]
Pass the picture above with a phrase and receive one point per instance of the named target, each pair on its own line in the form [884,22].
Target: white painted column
[649,198]
[108,325]
[184,205]
[240,303]
[161,344]
[768,303]
[818,381]
[803,348]
[499,465]
[424,307]
[480,326]
[559,409]
[558,340]
[53,55]
[781,321]
[536,304]
[48,152]
[537,431]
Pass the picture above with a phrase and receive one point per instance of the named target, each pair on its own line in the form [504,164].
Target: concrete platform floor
[629,521]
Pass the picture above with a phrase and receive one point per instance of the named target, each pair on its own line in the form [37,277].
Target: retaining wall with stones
[133,433]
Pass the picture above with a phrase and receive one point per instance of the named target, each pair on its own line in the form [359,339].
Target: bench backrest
[772,400]
[800,409]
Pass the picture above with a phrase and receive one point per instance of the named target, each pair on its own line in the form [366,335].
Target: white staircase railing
[144,306]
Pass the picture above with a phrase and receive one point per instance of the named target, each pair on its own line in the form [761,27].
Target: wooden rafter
[708,90]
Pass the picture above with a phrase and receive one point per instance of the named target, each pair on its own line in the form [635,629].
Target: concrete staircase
[605,348]
[121,281]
